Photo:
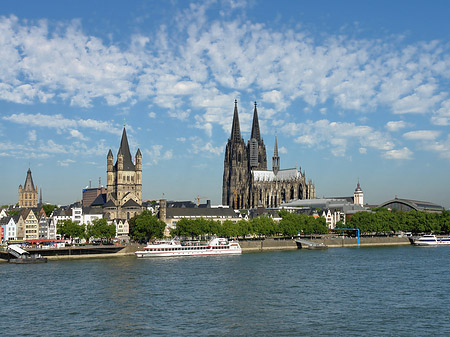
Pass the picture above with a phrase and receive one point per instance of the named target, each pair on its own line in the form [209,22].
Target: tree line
[385,221]
[99,229]
[146,227]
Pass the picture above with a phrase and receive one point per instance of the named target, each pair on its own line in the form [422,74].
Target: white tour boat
[217,246]
[432,240]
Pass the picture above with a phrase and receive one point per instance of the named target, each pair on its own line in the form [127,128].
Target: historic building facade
[124,183]
[246,181]
[28,194]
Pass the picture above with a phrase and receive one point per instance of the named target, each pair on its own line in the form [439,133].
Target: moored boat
[431,240]
[217,246]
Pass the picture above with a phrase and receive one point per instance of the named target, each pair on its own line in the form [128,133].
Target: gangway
[16,251]
[310,244]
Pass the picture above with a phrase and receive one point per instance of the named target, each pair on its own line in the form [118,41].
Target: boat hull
[218,246]
[144,254]
[431,240]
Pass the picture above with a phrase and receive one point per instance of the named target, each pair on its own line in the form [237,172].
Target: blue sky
[353,90]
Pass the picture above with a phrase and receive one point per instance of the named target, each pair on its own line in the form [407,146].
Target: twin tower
[246,181]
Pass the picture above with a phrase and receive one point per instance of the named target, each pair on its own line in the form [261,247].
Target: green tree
[48,209]
[148,227]
[101,230]
[70,229]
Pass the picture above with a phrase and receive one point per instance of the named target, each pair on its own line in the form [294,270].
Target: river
[382,291]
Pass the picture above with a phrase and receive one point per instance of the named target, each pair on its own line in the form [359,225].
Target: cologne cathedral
[246,181]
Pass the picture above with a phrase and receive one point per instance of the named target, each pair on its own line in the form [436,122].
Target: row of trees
[384,221]
[98,229]
[291,225]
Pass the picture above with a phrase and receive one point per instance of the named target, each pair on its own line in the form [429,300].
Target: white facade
[122,228]
[358,196]
[9,230]
[332,218]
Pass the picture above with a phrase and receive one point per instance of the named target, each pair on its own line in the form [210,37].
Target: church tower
[358,195]
[256,147]
[235,173]
[28,194]
[124,182]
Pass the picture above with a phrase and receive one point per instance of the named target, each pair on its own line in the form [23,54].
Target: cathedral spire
[125,151]
[275,158]
[235,129]
[255,126]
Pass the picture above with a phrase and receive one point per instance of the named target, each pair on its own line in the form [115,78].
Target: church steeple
[255,126]
[235,129]
[275,158]
[28,186]
[124,151]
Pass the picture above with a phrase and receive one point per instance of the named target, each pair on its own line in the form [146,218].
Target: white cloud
[156,154]
[152,114]
[337,136]
[422,135]
[77,134]
[65,162]
[32,136]
[282,150]
[442,116]
[394,126]
[402,154]
[61,123]
[199,146]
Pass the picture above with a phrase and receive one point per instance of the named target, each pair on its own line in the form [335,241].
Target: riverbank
[267,244]
[331,242]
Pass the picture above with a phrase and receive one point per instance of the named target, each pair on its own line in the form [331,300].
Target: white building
[8,224]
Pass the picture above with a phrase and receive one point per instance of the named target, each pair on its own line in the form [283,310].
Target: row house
[9,228]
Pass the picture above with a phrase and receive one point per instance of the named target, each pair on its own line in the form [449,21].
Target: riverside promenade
[330,241]
[253,245]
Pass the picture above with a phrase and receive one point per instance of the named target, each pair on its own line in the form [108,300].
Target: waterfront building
[43,227]
[124,183]
[333,209]
[28,193]
[27,225]
[247,183]
[170,214]
[406,205]
[122,229]
[9,228]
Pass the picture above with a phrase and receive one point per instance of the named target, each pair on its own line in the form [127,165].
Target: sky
[353,90]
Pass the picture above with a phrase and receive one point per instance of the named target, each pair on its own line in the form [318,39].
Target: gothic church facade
[246,181]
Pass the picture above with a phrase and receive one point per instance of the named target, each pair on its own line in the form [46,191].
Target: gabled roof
[131,203]
[269,175]
[125,151]
[110,203]
[5,220]
[100,200]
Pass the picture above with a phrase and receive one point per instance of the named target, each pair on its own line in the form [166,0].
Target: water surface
[396,291]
